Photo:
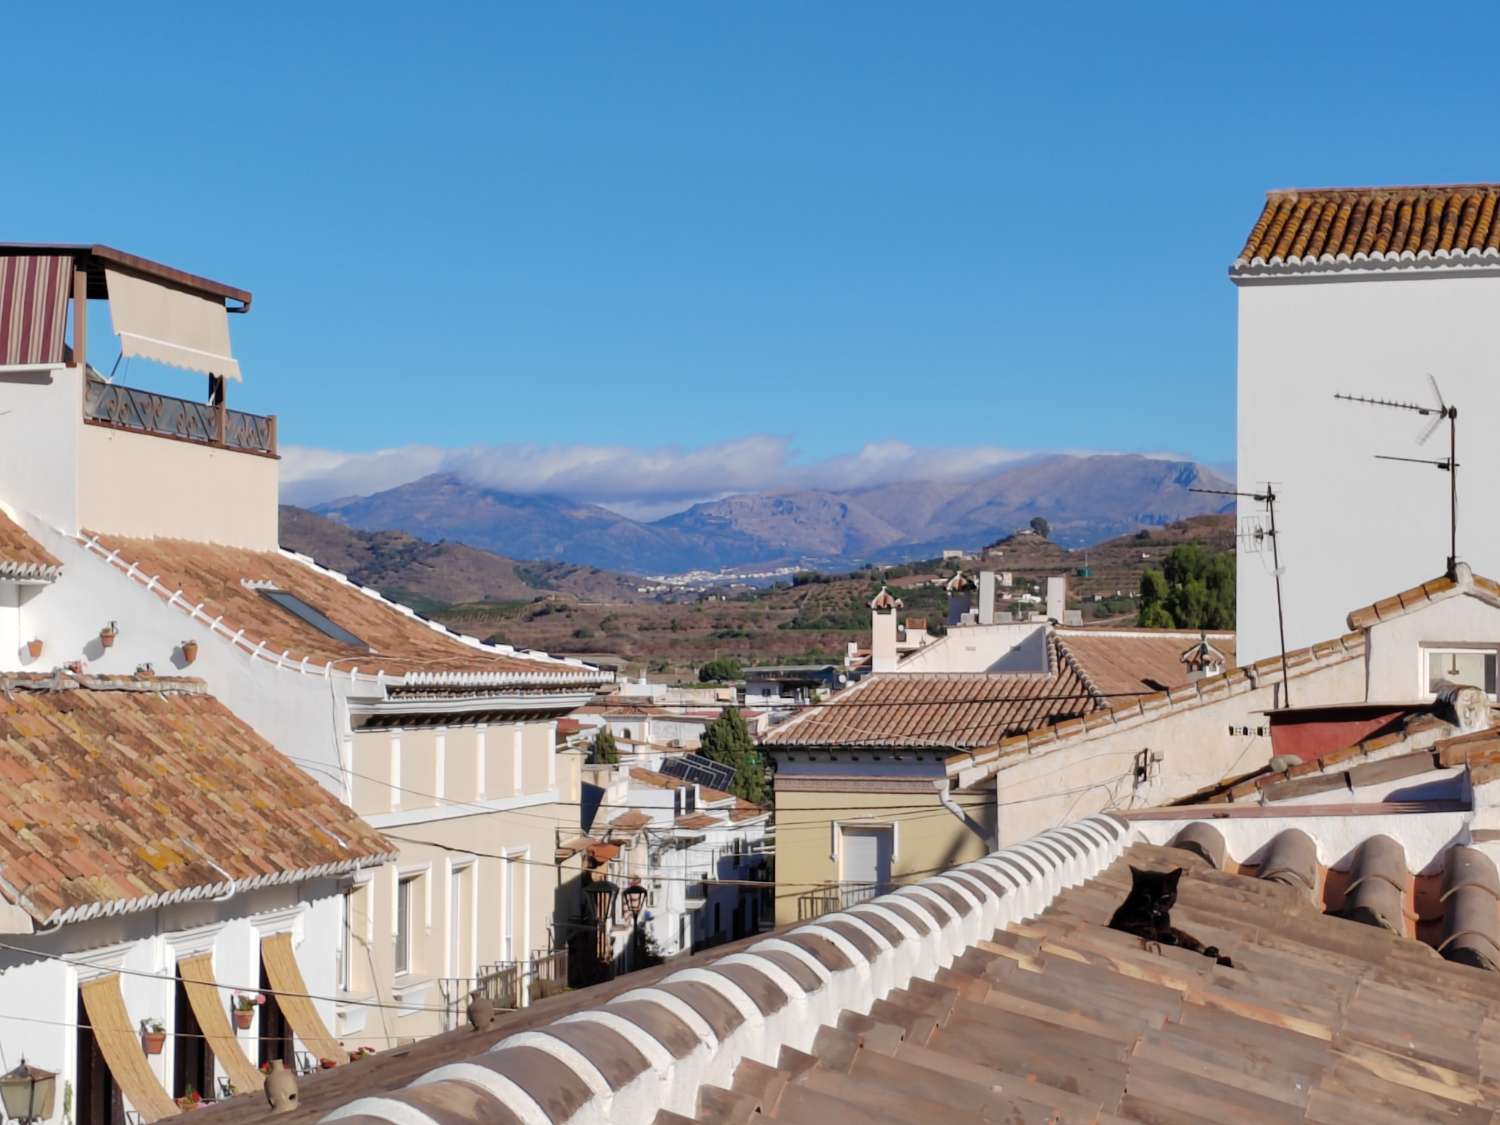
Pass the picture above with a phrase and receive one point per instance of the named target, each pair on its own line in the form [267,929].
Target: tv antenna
[1448,465]
[1267,496]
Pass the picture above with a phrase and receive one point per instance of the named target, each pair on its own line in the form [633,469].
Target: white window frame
[1426,651]
[402,945]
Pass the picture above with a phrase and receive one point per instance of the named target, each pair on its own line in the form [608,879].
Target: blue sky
[666,234]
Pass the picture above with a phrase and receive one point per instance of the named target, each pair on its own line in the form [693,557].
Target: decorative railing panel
[510,984]
[133,409]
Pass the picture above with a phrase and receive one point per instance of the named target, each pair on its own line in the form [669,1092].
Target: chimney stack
[883,631]
[1057,597]
[986,597]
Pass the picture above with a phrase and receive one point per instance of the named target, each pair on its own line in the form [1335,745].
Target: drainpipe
[945,796]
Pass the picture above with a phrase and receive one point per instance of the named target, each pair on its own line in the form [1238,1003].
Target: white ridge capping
[1030,872]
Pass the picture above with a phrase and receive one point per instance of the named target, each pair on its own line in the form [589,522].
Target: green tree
[604,752]
[1193,590]
[720,670]
[1041,527]
[727,740]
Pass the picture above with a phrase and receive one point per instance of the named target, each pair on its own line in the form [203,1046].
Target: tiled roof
[744,810]
[1337,226]
[630,819]
[997,992]
[698,820]
[654,779]
[937,710]
[22,557]
[118,792]
[1121,661]
[986,759]
[213,578]
[1466,581]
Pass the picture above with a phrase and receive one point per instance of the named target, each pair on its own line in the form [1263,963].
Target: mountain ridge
[1086,499]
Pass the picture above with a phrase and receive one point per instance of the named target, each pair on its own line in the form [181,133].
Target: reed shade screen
[170,325]
[286,980]
[120,1043]
[210,1004]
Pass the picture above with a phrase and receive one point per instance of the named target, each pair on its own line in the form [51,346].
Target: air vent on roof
[310,616]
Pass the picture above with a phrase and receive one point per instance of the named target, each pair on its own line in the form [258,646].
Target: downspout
[945,796]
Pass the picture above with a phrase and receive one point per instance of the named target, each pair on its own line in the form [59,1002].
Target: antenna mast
[1268,498]
[1450,466]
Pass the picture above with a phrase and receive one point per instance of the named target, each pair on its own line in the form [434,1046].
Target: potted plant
[34,648]
[108,634]
[361,1053]
[328,1064]
[190,1100]
[244,1004]
[189,651]
[153,1035]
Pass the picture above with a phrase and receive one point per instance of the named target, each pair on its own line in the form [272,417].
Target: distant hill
[1086,499]
[429,575]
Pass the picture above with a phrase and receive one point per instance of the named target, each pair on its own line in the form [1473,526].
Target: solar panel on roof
[314,617]
[699,770]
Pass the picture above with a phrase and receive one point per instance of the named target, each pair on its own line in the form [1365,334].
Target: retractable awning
[33,308]
[120,1044]
[170,325]
[291,994]
[210,1004]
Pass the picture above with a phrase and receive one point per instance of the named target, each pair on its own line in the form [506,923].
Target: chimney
[1057,597]
[986,597]
[958,588]
[883,631]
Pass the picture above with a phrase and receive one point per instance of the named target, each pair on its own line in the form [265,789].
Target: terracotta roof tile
[1118,661]
[1418,596]
[23,557]
[697,820]
[937,710]
[631,819]
[118,788]
[216,576]
[1383,224]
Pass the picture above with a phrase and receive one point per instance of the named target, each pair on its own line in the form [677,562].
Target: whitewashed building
[1364,291]
[162,512]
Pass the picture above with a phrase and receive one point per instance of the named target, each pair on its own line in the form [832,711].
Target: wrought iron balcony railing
[837,896]
[129,408]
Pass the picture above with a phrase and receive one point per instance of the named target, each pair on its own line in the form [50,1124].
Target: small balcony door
[865,856]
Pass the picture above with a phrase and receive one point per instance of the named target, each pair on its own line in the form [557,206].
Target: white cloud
[640,483]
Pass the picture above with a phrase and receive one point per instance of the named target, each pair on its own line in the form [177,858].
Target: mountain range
[1085,499]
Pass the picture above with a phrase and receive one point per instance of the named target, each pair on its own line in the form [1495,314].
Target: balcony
[837,896]
[128,408]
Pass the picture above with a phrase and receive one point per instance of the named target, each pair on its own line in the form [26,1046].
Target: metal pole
[1286,679]
[1453,492]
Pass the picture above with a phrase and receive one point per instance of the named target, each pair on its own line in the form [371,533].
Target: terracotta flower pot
[189,651]
[34,648]
[151,1041]
[242,1017]
[107,636]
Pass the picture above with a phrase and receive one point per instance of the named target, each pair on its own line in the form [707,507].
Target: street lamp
[27,1092]
[635,898]
[601,894]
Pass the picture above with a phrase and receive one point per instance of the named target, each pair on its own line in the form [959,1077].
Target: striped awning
[291,994]
[120,1043]
[33,308]
[210,1003]
[170,325]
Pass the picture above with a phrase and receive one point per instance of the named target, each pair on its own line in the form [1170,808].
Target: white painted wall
[1003,647]
[39,995]
[1396,652]
[143,486]
[41,414]
[1353,529]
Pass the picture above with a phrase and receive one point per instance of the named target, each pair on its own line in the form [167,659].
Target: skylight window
[314,617]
